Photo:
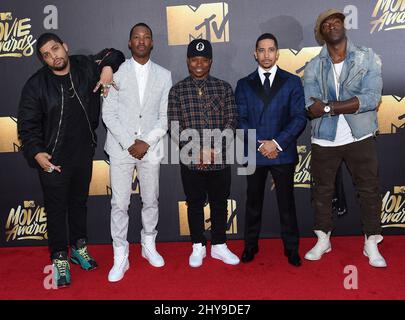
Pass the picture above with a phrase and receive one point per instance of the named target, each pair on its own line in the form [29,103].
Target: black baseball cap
[199,48]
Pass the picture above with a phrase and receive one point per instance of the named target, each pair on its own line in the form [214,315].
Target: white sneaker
[150,253]
[371,251]
[121,264]
[322,246]
[221,252]
[197,256]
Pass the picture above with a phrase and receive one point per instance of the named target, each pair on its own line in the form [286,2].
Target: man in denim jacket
[343,87]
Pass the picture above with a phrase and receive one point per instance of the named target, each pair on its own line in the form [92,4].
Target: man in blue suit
[271,101]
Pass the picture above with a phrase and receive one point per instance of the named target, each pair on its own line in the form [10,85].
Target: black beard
[62,67]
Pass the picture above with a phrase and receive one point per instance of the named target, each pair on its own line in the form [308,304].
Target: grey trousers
[121,175]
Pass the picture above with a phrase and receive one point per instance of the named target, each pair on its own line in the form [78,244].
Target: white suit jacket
[127,119]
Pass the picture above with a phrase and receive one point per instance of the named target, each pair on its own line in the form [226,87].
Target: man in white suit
[136,120]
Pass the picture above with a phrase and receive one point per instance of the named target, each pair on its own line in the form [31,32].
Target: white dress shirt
[142,73]
[272,71]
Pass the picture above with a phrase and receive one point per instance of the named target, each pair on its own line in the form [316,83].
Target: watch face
[326,109]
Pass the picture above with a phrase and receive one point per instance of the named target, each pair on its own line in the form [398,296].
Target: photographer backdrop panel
[232,26]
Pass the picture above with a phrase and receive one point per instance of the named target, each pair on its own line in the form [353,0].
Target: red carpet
[268,277]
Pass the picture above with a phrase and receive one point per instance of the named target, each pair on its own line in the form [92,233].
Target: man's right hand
[207,157]
[43,160]
[316,110]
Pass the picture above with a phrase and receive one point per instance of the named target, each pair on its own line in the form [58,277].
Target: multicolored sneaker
[61,269]
[80,255]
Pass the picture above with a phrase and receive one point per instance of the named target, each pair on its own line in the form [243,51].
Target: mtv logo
[8,135]
[399,190]
[29,204]
[391,114]
[295,61]
[231,218]
[100,180]
[5,16]
[207,21]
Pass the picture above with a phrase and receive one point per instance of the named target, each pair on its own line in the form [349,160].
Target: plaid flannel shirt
[215,108]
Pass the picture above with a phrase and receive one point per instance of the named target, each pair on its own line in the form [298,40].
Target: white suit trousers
[121,175]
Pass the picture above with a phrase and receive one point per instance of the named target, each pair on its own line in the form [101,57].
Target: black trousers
[283,176]
[362,162]
[65,200]
[200,187]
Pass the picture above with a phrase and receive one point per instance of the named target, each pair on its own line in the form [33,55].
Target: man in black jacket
[57,117]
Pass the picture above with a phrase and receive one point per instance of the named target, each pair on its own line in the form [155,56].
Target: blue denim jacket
[360,77]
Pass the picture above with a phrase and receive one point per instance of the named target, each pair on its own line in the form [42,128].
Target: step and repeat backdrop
[232,26]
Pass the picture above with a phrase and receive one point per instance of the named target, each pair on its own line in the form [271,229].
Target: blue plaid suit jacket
[280,116]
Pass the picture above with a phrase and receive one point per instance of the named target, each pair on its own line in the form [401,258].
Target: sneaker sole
[316,259]
[373,265]
[73,260]
[197,265]
[213,255]
[119,279]
[155,265]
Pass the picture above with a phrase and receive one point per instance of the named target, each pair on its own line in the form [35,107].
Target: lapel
[328,79]
[257,86]
[150,83]
[133,83]
[278,82]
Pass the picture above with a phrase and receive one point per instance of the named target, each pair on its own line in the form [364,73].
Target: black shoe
[293,257]
[249,254]
[61,269]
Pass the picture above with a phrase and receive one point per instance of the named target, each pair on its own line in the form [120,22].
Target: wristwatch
[327,108]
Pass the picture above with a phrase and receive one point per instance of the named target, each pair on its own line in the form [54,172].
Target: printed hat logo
[207,21]
[200,46]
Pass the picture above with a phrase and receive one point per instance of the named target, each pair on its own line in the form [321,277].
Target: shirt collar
[141,67]
[272,70]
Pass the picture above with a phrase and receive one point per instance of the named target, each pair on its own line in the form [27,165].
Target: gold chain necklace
[199,88]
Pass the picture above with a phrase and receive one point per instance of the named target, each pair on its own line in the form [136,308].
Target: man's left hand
[106,81]
[139,149]
[267,148]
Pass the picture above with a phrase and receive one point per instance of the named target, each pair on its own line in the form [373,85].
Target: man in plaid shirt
[198,106]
